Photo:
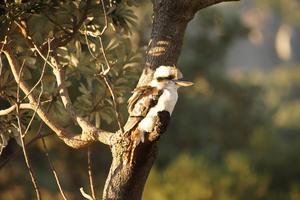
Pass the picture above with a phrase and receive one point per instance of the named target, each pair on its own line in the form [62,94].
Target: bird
[152,104]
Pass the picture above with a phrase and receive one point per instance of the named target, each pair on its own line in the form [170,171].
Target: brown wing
[142,99]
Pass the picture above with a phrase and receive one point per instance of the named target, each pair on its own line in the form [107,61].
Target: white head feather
[165,71]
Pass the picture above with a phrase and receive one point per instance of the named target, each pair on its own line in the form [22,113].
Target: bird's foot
[137,137]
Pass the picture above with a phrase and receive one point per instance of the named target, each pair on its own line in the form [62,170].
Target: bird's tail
[137,136]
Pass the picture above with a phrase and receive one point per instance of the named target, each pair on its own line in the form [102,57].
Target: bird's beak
[183,83]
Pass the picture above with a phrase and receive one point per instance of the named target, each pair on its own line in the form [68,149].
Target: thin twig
[1,49]
[88,43]
[26,158]
[13,108]
[42,56]
[42,90]
[105,72]
[4,42]
[114,102]
[46,151]
[33,179]
[85,195]
[35,110]
[43,71]
[32,43]
[19,81]
[53,170]
[27,145]
[105,18]
[105,57]
[90,172]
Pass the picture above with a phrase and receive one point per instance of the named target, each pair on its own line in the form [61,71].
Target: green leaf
[3,141]
[113,43]
[97,119]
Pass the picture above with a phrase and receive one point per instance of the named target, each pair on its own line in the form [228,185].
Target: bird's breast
[166,101]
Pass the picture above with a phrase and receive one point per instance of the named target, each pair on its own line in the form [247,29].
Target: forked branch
[88,136]
[13,108]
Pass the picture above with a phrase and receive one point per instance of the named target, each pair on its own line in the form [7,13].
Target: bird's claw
[138,137]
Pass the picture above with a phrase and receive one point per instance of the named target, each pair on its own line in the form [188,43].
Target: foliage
[233,179]
[74,27]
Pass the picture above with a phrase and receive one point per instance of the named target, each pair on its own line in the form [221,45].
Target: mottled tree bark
[125,181]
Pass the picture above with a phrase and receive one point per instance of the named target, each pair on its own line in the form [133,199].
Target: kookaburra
[153,104]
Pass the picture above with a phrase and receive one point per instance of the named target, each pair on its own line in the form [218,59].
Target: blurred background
[235,135]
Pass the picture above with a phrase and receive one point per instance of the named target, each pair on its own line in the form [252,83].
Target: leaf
[1,65]
[83,89]
[74,61]
[113,43]
[18,140]
[106,115]
[3,142]
[30,61]
[62,51]
[97,119]
[121,81]
[78,48]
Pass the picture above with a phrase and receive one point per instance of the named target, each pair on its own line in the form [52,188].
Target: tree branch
[85,125]
[200,4]
[87,128]
[90,172]
[13,108]
[76,141]
[57,180]
[22,139]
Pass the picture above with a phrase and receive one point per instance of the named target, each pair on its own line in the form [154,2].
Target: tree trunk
[125,181]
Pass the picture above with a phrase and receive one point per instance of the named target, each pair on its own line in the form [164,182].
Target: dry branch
[90,172]
[22,139]
[91,134]
[53,170]
[13,108]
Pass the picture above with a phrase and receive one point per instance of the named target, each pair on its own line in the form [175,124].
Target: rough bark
[169,24]
[126,182]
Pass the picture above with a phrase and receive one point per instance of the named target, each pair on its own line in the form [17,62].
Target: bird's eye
[171,77]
